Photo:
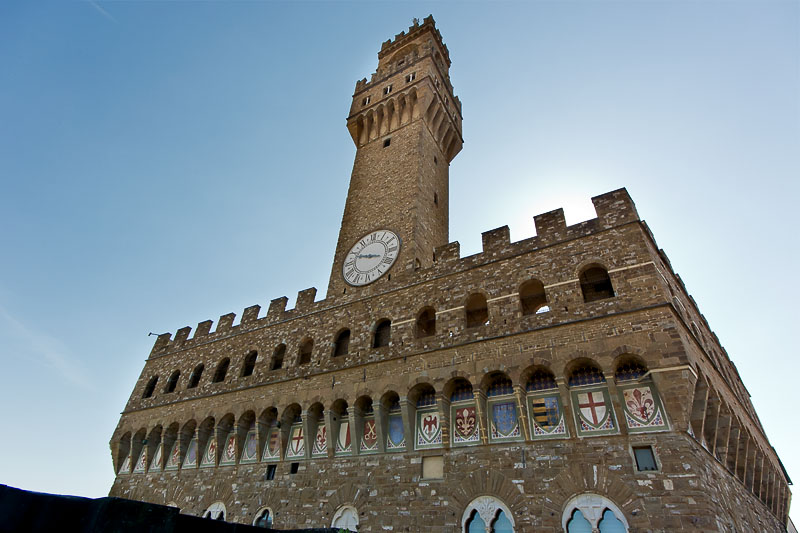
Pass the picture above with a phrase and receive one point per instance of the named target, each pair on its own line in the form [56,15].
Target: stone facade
[437,380]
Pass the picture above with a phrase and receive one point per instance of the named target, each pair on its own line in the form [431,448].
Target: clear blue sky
[160,160]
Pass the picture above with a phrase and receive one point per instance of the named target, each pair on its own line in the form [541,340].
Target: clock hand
[367,256]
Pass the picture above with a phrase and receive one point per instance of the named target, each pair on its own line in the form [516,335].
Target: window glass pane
[645,459]
[610,523]
[502,524]
[578,524]
[476,524]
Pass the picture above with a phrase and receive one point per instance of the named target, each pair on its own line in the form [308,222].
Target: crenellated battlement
[613,209]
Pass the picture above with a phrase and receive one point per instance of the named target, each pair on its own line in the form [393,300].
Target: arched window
[263,518]
[544,405]
[342,432]
[342,344]
[383,333]
[594,414]
[595,284]
[592,512]
[532,299]
[197,373]
[428,432]
[346,517]
[476,310]
[249,364]
[304,354]
[487,510]
[151,386]
[463,414]
[502,406]
[215,512]
[426,323]
[277,357]
[173,381]
[641,403]
[222,371]
[395,439]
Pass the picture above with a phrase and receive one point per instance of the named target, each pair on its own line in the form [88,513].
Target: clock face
[371,257]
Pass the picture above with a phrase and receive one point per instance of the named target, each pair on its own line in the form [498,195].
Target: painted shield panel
[141,463]
[546,412]
[297,445]
[272,449]
[396,434]
[210,457]
[126,465]
[174,461]
[191,455]
[504,420]
[592,406]
[643,409]
[343,441]
[320,446]
[250,451]
[155,464]
[640,404]
[465,427]
[429,429]
[370,440]
[229,453]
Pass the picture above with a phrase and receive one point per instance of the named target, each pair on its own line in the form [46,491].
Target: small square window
[294,468]
[387,89]
[645,458]
[365,101]
[271,471]
[411,77]
[387,142]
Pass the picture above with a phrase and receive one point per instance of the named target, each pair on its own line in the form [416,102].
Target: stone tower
[406,125]
[563,383]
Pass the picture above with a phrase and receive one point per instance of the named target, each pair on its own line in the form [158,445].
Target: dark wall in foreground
[21,510]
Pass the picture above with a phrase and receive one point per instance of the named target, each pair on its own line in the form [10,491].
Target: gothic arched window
[487,510]
[346,517]
[595,284]
[263,518]
[215,512]
[586,513]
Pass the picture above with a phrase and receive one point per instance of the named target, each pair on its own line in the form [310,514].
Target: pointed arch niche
[595,511]
[487,514]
